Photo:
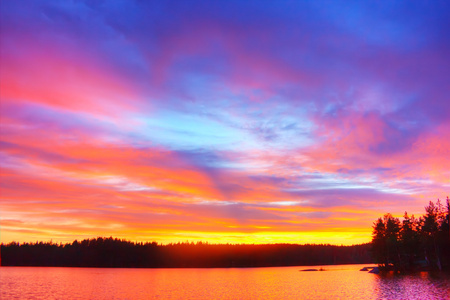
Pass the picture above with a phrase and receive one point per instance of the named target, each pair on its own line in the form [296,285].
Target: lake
[336,282]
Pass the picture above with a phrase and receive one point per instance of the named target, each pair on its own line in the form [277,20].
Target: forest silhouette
[414,243]
[411,244]
[113,252]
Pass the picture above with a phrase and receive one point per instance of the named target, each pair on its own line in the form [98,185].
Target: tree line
[113,252]
[414,243]
[411,244]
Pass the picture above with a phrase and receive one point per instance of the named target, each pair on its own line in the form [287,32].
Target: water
[337,282]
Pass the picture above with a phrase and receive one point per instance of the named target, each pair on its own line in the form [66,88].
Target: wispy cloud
[226,121]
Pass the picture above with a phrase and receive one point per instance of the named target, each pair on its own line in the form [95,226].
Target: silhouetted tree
[409,241]
[392,237]
[385,240]
[379,242]
[430,227]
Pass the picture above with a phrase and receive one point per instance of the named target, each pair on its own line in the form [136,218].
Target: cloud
[226,118]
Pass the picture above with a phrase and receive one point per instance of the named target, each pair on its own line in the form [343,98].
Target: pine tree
[379,242]
[385,240]
[430,228]
[392,238]
[409,241]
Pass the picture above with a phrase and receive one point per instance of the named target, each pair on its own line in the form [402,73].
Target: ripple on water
[337,282]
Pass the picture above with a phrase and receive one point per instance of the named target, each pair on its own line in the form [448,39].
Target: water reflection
[422,285]
[337,282]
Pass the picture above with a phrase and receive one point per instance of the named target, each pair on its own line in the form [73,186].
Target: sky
[220,121]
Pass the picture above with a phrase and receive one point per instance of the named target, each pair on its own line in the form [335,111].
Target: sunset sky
[221,121]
